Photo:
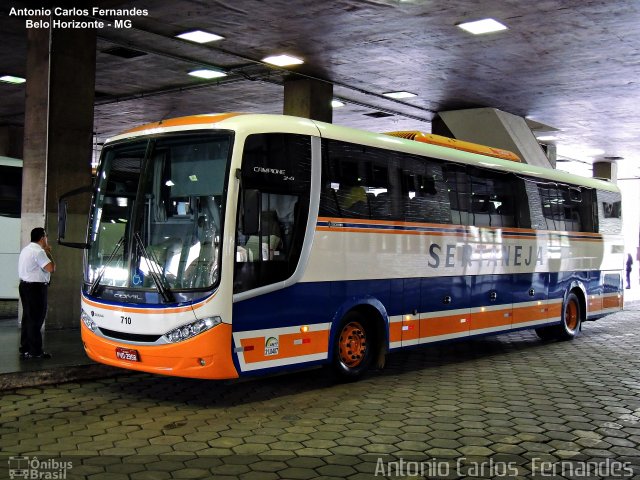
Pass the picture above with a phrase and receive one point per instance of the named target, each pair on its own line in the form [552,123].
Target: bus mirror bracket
[62,217]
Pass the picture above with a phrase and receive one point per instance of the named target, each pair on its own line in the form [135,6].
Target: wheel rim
[352,344]
[571,315]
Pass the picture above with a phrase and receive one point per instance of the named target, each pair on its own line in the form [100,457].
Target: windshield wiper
[96,282]
[158,278]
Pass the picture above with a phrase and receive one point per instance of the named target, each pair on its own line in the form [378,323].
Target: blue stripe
[318,302]
[324,302]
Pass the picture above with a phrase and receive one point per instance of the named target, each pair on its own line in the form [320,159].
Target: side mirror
[63,216]
[250,213]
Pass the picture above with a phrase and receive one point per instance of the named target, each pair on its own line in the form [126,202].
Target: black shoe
[25,356]
[43,355]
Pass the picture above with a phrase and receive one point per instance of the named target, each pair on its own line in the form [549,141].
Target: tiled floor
[494,407]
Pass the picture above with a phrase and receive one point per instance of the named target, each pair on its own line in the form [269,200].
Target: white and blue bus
[10,208]
[227,245]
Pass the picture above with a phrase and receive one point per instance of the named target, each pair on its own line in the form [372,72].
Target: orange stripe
[450,228]
[382,230]
[611,302]
[493,318]
[447,325]
[317,343]
[395,332]
[432,327]
[181,121]
[412,331]
[535,312]
[595,304]
[159,311]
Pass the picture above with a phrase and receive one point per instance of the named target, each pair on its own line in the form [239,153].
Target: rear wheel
[570,326]
[353,347]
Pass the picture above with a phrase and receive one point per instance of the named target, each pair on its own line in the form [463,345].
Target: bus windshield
[156,220]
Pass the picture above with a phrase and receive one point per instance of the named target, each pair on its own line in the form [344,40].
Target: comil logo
[271,346]
[34,468]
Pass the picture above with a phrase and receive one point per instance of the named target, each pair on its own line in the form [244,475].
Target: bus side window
[494,197]
[458,188]
[568,208]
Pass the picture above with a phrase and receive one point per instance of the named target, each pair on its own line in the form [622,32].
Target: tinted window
[373,183]
[279,167]
[486,198]
[10,191]
[567,208]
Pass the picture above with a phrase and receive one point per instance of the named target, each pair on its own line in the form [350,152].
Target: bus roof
[264,123]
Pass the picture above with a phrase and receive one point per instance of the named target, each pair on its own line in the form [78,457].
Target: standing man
[35,266]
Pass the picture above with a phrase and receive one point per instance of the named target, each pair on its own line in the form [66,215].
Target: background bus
[229,245]
[10,206]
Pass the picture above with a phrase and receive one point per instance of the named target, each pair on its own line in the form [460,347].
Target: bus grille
[133,337]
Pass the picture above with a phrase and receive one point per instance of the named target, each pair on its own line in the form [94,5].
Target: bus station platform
[68,362]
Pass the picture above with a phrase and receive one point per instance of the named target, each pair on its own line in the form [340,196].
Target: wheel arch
[374,312]
[577,287]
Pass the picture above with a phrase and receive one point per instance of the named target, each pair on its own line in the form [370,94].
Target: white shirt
[31,264]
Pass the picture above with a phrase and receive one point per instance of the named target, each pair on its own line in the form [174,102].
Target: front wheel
[353,347]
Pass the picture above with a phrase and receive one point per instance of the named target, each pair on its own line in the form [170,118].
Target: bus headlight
[88,321]
[191,329]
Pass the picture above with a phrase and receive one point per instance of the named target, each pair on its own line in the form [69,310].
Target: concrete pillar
[57,150]
[606,170]
[11,140]
[304,97]
[494,128]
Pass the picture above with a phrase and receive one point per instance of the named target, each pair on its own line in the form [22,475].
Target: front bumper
[182,359]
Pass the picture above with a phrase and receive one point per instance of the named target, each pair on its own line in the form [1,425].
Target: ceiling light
[12,79]
[282,60]
[399,95]
[208,74]
[198,36]
[487,25]
[337,103]
[547,138]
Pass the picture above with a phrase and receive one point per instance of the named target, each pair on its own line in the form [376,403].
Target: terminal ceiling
[573,65]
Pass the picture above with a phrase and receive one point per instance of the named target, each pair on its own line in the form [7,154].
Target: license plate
[127,354]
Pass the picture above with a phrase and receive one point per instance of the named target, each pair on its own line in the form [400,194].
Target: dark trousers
[34,308]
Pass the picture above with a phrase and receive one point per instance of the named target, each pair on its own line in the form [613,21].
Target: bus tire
[571,315]
[570,326]
[546,333]
[353,347]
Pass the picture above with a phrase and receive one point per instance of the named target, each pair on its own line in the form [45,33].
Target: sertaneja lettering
[466,255]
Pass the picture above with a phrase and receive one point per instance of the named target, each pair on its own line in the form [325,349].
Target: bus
[10,208]
[227,245]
